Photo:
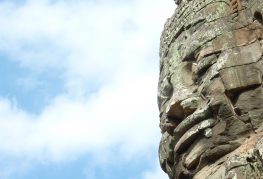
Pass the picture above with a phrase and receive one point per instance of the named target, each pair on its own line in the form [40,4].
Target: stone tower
[210,91]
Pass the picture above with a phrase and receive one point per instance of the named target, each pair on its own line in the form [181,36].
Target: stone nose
[182,105]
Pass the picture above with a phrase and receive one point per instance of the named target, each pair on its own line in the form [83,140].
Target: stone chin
[210,92]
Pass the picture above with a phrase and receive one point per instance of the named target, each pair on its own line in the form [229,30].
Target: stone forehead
[188,13]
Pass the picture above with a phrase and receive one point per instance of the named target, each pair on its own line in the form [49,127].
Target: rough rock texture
[210,91]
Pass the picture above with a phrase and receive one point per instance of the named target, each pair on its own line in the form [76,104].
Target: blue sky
[78,88]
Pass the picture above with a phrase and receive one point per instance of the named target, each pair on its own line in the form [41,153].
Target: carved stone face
[210,88]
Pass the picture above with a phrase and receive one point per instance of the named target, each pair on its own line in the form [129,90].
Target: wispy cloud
[107,55]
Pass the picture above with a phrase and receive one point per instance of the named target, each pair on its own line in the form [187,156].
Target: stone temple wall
[210,92]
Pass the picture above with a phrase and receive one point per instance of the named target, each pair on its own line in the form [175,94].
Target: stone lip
[192,133]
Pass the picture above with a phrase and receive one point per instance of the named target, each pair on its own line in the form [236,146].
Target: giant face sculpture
[210,92]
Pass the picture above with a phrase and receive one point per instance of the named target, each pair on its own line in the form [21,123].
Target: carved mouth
[190,128]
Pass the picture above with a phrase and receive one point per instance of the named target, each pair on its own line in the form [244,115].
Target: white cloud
[113,44]
[123,112]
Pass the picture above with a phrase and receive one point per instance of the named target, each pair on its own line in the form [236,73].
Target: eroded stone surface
[210,93]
